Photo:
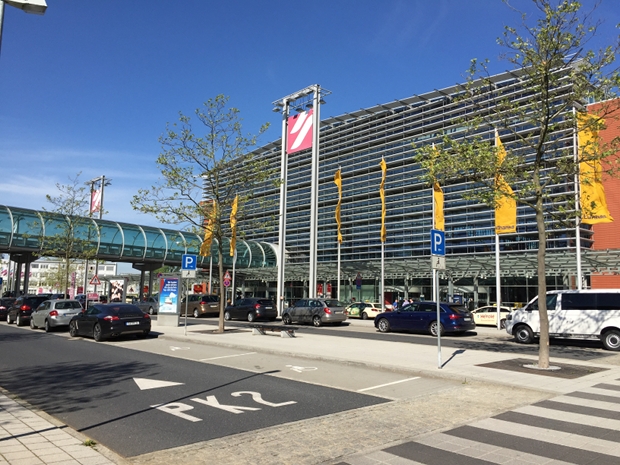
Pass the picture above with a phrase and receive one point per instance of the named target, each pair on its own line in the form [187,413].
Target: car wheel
[364,316]
[151,311]
[523,334]
[433,328]
[47,326]
[286,319]
[611,340]
[251,317]
[18,320]
[196,314]
[383,325]
[97,333]
[227,316]
[502,324]
[32,326]
[8,319]
[316,321]
[73,332]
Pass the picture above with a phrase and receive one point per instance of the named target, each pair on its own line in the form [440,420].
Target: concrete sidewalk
[28,436]
[458,364]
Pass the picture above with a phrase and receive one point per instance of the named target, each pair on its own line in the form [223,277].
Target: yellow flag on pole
[233,225]
[209,218]
[592,193]
[338,182]
[506,206]
[438,218]
[382,195]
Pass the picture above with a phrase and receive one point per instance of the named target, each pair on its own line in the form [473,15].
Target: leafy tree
[202,176]
[559,76]
[68,230]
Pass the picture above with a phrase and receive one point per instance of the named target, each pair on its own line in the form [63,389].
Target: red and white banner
[95,201]
[299,135]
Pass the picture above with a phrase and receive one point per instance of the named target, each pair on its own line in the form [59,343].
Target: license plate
[268,308]
[131,323]
[467,319]
[68,314]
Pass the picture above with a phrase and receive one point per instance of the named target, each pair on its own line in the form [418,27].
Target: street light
[36,7]
[93,207]
[313,96]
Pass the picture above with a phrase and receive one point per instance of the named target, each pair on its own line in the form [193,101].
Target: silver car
[315,311]
[53,313]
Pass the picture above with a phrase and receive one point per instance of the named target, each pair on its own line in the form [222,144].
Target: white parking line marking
[225,356]
[387,384]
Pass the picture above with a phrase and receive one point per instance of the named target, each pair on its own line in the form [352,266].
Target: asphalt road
[116,396]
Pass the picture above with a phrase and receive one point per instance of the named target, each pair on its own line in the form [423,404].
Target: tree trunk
[543,348]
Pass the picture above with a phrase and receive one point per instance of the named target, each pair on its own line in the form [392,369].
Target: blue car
[422,317]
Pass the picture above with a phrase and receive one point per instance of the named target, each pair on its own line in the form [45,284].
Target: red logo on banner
[299,135]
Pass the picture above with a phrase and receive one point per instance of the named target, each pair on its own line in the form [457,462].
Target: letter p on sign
[188,262]
[438,242]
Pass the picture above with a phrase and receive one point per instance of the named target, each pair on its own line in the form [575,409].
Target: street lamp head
[277,109]
[36,7]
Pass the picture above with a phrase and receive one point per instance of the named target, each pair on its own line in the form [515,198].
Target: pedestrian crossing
[581,427]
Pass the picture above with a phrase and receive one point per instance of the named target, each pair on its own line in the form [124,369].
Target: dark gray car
[315,311]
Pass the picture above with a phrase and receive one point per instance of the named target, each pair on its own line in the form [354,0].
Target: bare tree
[203,175]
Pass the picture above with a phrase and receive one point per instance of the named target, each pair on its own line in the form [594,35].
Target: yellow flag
[382,195]
[205,247]
[438,218]
[233,225]
[506,207]
[338,182]
[593,201]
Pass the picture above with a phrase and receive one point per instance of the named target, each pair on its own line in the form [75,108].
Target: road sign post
[188,270]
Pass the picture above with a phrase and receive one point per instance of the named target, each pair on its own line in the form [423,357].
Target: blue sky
[90,86]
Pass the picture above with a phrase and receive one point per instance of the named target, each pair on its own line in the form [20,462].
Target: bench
[283,330]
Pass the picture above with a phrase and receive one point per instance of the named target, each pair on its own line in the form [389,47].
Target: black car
[23,306]
[102,321]
[5,303]
[422,317]
[252,309]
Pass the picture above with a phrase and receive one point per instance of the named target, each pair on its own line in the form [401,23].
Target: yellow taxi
[488,315]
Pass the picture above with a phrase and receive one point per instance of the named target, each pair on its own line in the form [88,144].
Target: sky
[89,87]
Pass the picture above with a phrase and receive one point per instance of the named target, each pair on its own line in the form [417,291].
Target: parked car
[5,303]
[149,305]
[422,317]
[102,321]
[54,313]
[488,315]
[252,309]
[589,314]
[201,305]
[364,310]
[22,308]
[315,311]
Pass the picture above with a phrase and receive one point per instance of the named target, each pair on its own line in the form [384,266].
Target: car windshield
[458,308]
[210,298]
[265,302]
[335,303]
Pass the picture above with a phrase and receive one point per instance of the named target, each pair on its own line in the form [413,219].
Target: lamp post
[37,7]
[309,97]
[96,204]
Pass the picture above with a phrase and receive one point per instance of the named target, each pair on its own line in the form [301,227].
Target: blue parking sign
[188,262]
[438,242]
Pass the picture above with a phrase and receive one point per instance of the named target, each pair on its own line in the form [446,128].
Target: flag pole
[435,278]
[577,205]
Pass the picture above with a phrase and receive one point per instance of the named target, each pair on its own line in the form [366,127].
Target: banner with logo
[299,136]
[169,295]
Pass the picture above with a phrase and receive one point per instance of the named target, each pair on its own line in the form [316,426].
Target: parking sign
[188,262]
[438,242]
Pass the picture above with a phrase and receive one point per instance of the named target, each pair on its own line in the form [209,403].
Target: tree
[202,176]
[560,75]
[68,230]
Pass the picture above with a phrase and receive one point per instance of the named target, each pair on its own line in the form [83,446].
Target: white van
[585,314]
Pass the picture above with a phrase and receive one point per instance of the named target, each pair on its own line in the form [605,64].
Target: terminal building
[355,143]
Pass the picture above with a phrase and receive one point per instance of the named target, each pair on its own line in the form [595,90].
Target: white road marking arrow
[144,383]
[300,369]
[173,348]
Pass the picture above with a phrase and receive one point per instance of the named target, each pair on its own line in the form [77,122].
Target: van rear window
[591,301]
